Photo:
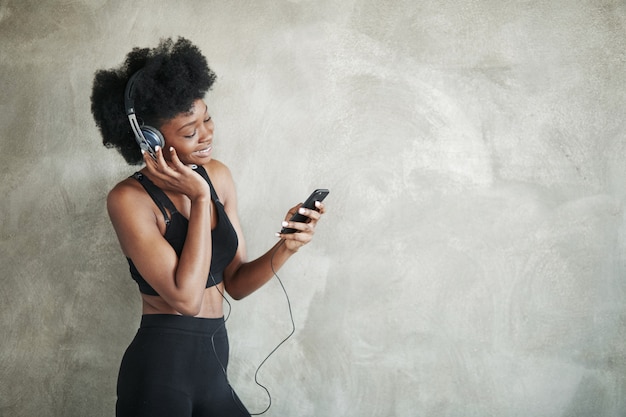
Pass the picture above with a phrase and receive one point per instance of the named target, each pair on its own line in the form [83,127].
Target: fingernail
[284,224]
[301,210]
[157,148]
[171,149]
[143,152]
[277,234]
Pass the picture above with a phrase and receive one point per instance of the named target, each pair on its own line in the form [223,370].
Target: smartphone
[317,195]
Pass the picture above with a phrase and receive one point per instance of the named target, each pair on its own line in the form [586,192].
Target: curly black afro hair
[174,75]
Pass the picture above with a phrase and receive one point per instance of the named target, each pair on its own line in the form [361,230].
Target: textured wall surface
[473,260]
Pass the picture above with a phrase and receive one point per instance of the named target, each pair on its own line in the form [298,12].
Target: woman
[176,221]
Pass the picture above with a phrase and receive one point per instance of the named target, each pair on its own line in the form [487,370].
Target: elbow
[188,311]
[233,293]
[191,312]
[189,308]
[236,296]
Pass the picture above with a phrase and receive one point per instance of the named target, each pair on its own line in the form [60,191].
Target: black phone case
[317,195]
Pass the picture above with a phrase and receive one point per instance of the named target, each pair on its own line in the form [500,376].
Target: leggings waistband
[187,323]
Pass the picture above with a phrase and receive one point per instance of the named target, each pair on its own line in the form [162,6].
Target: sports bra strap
[160,198]
[200,170]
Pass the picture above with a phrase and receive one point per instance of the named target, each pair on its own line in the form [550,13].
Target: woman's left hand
[304,231]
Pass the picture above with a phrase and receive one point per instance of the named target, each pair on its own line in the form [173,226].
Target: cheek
[181,145]
[184,148]
[183,151]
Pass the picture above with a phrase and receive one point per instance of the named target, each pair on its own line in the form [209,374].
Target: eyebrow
[206,110]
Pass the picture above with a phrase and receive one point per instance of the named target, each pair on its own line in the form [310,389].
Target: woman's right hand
[175,176]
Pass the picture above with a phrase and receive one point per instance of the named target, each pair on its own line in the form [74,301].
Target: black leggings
[172,369]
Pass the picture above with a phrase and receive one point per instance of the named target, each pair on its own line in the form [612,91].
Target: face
[191,134]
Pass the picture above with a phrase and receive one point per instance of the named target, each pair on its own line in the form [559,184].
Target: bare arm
[179,281]
[243,277]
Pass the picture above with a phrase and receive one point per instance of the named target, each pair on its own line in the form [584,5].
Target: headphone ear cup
[153,137]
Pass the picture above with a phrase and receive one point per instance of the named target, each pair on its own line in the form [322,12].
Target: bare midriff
[212,303]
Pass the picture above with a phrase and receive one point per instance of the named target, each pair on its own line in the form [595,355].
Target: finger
[295,240]
[301,228]
[291,225]
[149,161]
[159,159]
[174,158]
[320,207]
[169,168]
[311,214]
[292,211]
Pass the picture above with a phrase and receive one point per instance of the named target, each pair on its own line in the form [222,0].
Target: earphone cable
[293,330]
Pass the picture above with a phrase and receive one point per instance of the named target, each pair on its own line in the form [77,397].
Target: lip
[205,152]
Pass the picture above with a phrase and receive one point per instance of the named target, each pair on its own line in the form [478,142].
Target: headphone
[147,137]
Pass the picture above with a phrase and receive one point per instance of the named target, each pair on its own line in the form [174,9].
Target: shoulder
[123,190]
[218,169]
[126,195]
[134,216]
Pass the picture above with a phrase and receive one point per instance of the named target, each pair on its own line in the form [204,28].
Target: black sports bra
[224,237]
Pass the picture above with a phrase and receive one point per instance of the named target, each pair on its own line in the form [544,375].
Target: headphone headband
[129,101]
[147,137]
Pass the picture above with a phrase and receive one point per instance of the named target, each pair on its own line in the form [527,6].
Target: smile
[205,151]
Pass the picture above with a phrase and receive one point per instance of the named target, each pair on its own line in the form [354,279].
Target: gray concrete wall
[473,259]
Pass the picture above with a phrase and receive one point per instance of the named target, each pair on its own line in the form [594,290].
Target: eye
[207,120]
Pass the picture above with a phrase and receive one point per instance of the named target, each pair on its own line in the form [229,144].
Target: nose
[206,131]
